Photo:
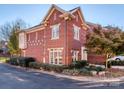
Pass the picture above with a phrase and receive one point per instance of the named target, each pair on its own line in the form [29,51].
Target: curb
[78,78]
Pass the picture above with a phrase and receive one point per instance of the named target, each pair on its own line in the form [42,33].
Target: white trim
[54,57]
[55,48]
[44,61]
[34,30]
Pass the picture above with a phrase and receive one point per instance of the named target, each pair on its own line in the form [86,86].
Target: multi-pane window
[75,55]
[76,30]
[55,31]
[55,56]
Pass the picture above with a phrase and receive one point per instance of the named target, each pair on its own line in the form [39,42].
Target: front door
[83,53]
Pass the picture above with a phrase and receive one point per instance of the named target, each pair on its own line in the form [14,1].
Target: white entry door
[83,53]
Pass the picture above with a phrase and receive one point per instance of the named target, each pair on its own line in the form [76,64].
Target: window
[55,56]
[75,55]
[55,31]
[22,40]
[76,32]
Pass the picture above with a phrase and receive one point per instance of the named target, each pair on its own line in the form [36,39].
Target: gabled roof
[57,8]
[53,6]
[70,12]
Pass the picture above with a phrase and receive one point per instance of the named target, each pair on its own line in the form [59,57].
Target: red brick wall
[71,44]
[96,59]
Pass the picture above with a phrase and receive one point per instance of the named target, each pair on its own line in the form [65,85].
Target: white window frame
[75,55]
[58,57]
[76,31]
[55,31]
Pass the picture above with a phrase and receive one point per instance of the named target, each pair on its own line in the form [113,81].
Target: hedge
[116,63]
[21,61]
[78,64]
[47,67]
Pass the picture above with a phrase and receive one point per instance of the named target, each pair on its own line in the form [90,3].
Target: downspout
[65,41]
[44,36]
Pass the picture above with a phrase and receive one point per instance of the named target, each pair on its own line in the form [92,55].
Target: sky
[33,14]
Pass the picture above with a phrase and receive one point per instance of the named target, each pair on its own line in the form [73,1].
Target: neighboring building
[59,39]
[4,47]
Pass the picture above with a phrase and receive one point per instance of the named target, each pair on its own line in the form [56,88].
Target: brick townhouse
[59,39]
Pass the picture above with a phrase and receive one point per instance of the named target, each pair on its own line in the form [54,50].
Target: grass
[3,59]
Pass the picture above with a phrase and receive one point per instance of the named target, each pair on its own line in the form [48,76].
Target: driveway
[16,78]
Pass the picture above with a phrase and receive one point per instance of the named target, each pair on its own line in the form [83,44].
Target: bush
[85,71]
[34,65]
[56,68]
[78,64]
[117,63]
[14,61]
[22,61]
[94,68]
[47,67]
[76,72]
[98,69]
[71,72]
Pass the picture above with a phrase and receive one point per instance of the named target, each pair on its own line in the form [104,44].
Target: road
[15,78]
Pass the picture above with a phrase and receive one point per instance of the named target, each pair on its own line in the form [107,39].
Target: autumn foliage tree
[109,40]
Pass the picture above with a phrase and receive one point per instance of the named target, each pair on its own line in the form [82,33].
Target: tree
[9,33]
[101,41]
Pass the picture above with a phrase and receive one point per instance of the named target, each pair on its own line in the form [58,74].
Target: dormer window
[76,30]
[55,31]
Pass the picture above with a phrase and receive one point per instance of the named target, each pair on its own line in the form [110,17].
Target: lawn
[3,59]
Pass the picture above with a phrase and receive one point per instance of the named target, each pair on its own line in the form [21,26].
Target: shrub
[34,65]
[71,71]
[98,69]
[85,71]
[14,61]
[57,68]
[22,61]
[94,68]
[47,67]
[78,64]
[117,63]
[76,72]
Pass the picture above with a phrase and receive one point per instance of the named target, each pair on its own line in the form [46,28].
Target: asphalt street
[15,78]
